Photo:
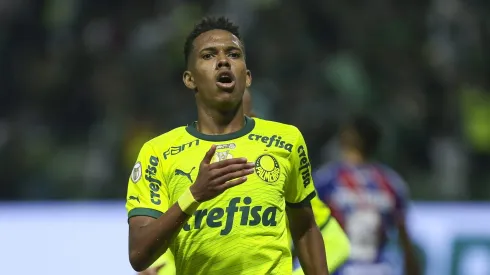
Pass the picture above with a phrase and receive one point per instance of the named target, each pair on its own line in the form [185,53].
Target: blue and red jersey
[367,200]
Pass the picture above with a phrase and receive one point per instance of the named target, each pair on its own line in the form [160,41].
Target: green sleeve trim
[305,202]
[144,212]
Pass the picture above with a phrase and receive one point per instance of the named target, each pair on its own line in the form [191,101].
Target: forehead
[216,38]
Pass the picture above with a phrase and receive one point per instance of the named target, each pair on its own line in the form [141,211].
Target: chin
[227,102]
[224,96]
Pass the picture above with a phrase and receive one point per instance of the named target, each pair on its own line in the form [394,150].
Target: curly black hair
[208,24]
[367,134]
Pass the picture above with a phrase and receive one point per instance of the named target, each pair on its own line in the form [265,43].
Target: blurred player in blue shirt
[369,200]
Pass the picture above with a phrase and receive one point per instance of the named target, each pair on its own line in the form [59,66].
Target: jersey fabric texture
[366,199]
[336,242]
[242,231]
[166,263]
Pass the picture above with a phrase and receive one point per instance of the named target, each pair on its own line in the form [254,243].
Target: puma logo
[179,172]
[134,198]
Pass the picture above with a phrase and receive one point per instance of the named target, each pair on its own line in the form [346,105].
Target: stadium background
[84,83]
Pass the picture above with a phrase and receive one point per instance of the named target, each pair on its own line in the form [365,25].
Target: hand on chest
[269,176]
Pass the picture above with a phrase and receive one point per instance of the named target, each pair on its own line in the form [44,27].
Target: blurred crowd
[84,83]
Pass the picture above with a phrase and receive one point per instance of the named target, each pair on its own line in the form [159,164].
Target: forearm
[148,242]
[311,251]
[411,264]
[410,260]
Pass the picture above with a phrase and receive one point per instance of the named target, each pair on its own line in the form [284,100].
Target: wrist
[195,194]
[187,203]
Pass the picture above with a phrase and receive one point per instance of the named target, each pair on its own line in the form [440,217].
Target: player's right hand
[214,178]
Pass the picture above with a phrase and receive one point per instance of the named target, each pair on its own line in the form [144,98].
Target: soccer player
[217,192]
[336,242]
[368,198]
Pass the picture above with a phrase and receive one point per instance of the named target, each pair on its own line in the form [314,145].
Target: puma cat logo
[179,172]
[134,198]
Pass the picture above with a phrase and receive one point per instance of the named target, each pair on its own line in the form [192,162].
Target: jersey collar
[247,128]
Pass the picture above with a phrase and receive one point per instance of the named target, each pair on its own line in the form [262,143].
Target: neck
[214,122]
[354,157]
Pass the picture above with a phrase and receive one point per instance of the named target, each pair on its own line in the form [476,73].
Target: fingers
[209,154]
[232,176]
[227,162]
[232,183]
[224,174]
[216,173]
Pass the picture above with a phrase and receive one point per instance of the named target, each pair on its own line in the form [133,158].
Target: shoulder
[389,172]
[167,139]
[277,135]
[287,131]
[393,178]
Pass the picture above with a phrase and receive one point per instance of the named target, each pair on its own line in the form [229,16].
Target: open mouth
[225,80]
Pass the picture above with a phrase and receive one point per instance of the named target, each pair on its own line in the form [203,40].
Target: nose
[222,62]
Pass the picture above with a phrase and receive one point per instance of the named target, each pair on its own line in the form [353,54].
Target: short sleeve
[147,190]
[299,187]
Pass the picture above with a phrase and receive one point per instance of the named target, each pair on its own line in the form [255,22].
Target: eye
[234,55]
[207,56]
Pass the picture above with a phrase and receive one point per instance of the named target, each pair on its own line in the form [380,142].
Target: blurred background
[83,84]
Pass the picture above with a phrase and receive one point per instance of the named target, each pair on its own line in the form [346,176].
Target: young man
[217,191]
[336,242]
[368,199]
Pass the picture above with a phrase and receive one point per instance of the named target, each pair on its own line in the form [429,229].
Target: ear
[249,79]
[188,80]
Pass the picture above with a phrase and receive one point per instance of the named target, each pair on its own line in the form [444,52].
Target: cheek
[241,73]
[203,75]
[205,68]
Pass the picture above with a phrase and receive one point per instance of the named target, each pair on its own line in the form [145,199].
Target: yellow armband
[188,203]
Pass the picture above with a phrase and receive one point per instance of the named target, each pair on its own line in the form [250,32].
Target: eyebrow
[214,49]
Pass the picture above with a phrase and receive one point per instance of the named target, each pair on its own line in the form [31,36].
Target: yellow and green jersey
[336,242]
[242,231]
[166,264]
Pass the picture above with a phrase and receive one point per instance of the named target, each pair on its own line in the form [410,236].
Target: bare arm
[308,240]
[411,264]
[149,238]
